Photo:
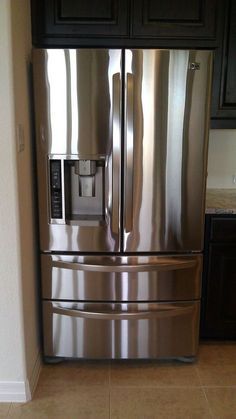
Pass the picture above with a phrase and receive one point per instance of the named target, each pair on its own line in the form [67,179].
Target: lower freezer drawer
[120,331]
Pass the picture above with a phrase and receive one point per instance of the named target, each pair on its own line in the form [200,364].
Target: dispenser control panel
[56,193]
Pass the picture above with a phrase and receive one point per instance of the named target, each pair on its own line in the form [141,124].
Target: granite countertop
[221,201]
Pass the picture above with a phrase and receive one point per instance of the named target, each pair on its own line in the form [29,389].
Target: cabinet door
[220,305]
[224,80]
[54,21]
[170,19]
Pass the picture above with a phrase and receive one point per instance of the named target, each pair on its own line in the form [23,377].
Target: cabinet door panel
[220,311]
[81,11]
[83,18]
[175,19]
[224,81]
[223,229]
[230,71]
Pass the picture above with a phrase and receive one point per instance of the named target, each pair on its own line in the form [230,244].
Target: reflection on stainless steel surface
[171,104]
[104,278]
[165,144]
[77,103]
[133,330]
[129,153]
[79,95]
[116,155]
[121,180]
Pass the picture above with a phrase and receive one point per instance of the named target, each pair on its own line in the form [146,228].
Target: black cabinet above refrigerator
[121,23]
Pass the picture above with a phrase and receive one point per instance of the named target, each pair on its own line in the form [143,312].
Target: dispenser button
[56,174]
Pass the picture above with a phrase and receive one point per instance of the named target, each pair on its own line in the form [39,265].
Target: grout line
[208,404]
[9,409]
[109,375]
[203,388]
[160,386]
[190,387]
[204,392]
[109,382]
[218,386]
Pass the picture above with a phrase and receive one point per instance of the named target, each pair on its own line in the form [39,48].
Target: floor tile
[147,403]
[81,403]
[157,374]
[4,408]
[222,402]
[216,363]
[216,353]
[224,375]
[73,374]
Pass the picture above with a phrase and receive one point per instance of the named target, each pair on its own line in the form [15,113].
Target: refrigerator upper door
[77,112]
[166,134]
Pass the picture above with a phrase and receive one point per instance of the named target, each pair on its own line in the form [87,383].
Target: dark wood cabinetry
[224,78]
[57,22]
[218,318]
[171,19]
[162,23]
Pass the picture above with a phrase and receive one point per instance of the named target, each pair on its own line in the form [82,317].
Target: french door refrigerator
[121,162]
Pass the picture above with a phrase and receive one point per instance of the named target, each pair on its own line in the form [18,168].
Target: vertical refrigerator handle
[116,136]
[129,152]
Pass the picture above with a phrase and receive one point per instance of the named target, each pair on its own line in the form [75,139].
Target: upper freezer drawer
[132,278]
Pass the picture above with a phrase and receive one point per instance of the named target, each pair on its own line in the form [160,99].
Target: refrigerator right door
[167,95]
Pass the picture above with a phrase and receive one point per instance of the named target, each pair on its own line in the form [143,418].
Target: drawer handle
[168,311]
[162,266]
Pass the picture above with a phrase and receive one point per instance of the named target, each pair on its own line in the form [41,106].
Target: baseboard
[14,391]
[21,391]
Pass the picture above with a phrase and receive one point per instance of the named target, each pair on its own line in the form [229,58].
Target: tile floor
[136,390]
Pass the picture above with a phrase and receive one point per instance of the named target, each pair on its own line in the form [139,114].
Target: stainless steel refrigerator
[121,162]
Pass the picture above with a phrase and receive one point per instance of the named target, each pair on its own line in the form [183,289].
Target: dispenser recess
[84,191]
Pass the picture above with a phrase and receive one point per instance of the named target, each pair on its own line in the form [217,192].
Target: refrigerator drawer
[120,278]
[120,331]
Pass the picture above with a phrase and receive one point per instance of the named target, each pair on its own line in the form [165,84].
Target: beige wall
[19,343]
[21,42]
[11,326]
[221,159]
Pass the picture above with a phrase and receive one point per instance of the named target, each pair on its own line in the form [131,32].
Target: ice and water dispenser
[77,191]
[86,170]
[78,120]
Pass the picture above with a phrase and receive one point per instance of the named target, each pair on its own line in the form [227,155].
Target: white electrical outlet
[20,136]
[234,179]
